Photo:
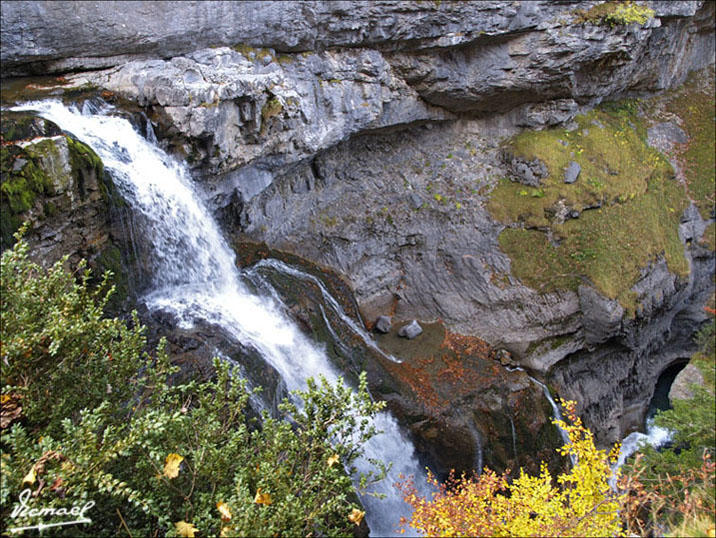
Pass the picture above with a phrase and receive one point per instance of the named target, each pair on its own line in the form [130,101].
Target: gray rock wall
[51,36]
[365,137]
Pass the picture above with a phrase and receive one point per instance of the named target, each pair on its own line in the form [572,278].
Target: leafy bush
[581,504]
[615,13]
[87,415]
[628,13]
[672,489]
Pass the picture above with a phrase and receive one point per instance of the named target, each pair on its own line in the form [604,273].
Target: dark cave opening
[660,399]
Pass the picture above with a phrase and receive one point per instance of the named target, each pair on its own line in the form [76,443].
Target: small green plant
[615,13]
[628,13]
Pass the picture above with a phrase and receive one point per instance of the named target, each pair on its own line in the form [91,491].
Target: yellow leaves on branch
[356,516]
[29,477]
[333,460]
[184,529]
[262,498]
[224,511]
[581,503]
[171,465]
[39,466]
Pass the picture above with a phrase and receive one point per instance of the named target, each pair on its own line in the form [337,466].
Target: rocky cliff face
[370,138]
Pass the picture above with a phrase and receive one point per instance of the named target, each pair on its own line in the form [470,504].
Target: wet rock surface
[367,139]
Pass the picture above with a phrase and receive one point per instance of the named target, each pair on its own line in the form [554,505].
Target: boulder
[411,330]
[383,324]
[526,172]
[663,136]
[681,387]
[572,172]
[416,202]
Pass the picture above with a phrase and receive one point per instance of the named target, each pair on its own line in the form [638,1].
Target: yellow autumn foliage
[262,498]
[184,529]
[356,516]
[171,465]
[577,503]
[224,510]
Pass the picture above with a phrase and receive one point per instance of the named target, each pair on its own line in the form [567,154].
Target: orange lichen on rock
[454,368]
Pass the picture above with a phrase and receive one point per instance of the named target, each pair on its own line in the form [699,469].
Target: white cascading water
[655,436]
[195,278]
[282,267]
[556,413]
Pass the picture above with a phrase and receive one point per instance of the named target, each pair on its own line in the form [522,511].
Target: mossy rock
[695,103]
[624,187]
[23,126]
[615,13]
[37,167]
[110,259]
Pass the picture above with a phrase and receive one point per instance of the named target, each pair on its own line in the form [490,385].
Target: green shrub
[628,13]
[677,482]
[615,13]
[89,416]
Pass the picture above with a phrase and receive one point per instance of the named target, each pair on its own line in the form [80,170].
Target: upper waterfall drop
[194,276]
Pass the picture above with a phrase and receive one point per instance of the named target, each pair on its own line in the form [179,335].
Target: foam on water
[194,276]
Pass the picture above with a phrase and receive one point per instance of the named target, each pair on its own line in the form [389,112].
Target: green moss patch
[624,188]
[36,171]
[694,103]
[21,183]
[110,259]
[709,237]
[259,53]
[86,166]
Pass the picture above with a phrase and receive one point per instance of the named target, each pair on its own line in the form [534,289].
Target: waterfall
[514,437]
[194,277]
[556,413]
[655,436]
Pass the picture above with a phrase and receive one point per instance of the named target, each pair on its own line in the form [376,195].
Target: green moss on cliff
[86,166]
[624,187]
[615,13]
[258,53]
[709,237]
[695,103]
[110,259]
[35,171]
[21,183]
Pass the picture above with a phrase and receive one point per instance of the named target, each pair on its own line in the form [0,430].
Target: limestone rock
[602,317]
[572,172]
[681,387]
[383,324]
[526,172]
[663,136]
[410,331]
[243,122]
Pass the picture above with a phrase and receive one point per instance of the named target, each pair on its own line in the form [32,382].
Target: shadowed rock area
[461,162]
